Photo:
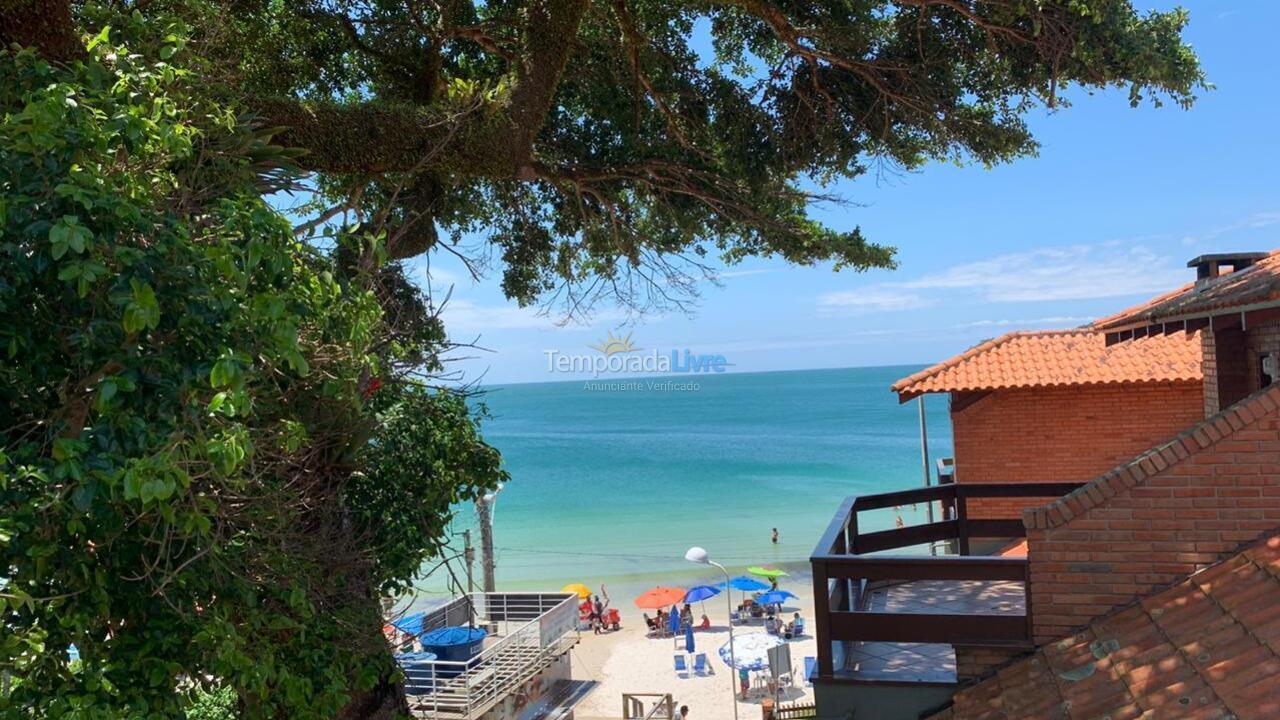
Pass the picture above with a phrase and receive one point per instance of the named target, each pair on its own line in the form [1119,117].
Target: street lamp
[700,556]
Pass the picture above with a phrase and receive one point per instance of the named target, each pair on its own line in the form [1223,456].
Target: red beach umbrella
[659,597]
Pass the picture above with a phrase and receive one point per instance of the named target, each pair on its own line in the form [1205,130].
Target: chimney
[1215,265]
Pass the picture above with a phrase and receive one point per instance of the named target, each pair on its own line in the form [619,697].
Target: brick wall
[1227,368]
[974,662]
[1157,519]
[1063,434]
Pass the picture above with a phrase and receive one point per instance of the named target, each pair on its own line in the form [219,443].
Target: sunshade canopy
[582,591]
[698,593]
[776,597]
[750,652]
[766,572]
[747,584]
[659,597]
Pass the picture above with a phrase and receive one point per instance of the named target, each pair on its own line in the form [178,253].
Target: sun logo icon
[613,345]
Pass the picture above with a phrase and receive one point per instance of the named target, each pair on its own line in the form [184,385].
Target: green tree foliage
[219,444]
[614,147]
[188,490]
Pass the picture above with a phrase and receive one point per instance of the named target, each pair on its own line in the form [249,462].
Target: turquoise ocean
[612,486]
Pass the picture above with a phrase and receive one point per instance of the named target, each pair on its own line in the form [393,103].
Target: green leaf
[100,38]
[143,310]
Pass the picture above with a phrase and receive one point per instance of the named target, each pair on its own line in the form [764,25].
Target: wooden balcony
[883,613]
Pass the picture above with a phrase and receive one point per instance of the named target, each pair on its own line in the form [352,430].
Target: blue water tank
[418,672]
[453,644]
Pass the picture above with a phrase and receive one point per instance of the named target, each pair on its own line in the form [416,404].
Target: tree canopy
[612,147]
[222,437]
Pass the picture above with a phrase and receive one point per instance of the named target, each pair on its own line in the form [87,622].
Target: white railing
[527,631]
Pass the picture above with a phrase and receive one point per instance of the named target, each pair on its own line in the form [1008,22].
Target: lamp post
[700,556]
[485,507]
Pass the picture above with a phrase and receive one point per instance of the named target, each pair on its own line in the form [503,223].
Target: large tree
[218,449]
[610,146]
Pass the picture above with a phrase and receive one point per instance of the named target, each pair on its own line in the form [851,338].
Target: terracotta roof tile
[1059,358]
[1191,651]
[1257,286]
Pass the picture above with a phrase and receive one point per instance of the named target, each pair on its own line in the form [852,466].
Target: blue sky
[1108,214]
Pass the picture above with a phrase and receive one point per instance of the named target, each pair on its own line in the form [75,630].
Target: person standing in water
[775,536]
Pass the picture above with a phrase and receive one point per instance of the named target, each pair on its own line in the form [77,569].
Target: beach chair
[701,666]
[809,662]
[682,667]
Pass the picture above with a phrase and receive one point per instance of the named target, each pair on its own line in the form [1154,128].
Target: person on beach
[683,713]
[773,584]
[597,612]
[744,681]
[686,616]
[775,536]
[706,622]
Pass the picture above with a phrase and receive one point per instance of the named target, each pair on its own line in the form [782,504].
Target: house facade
[1059,405]
[1140,594]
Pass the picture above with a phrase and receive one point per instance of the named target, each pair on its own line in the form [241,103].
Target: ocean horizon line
[637,378]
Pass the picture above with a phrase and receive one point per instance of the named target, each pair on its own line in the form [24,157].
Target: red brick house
[1139,595]
[1060,405]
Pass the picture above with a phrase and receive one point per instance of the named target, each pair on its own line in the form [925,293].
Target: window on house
[1266,369]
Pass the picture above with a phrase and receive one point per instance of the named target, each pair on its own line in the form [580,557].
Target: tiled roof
[1184,445]
[1255,287]
[1059,357]
[1207,648]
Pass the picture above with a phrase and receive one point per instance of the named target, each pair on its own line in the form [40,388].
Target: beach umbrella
[766,572]
[751,651]
[674,623]
[747,584]
[698,593]
[582,591]
[688,638]
[776,597]
[659,597]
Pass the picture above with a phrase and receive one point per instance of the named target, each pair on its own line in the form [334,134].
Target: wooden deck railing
[844,570]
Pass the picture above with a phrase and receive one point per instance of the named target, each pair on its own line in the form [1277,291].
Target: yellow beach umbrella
[766,572]
[582,591]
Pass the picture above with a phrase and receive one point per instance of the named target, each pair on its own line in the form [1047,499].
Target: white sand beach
[628,662]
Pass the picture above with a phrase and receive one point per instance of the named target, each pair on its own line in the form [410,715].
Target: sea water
[613,480]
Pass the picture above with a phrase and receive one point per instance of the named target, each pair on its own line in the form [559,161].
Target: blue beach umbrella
[776,597]
[747,584]
[674,623]
[688,638]
[698,593]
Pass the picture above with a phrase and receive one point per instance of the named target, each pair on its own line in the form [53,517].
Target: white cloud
[1256,221]
[875,298]
[465,316]
[1076,272]
[1059,320]
[742,273]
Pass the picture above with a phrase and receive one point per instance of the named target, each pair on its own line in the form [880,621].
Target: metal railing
[845,571]
[527,632]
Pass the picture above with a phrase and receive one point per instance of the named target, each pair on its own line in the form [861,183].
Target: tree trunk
[385,700]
